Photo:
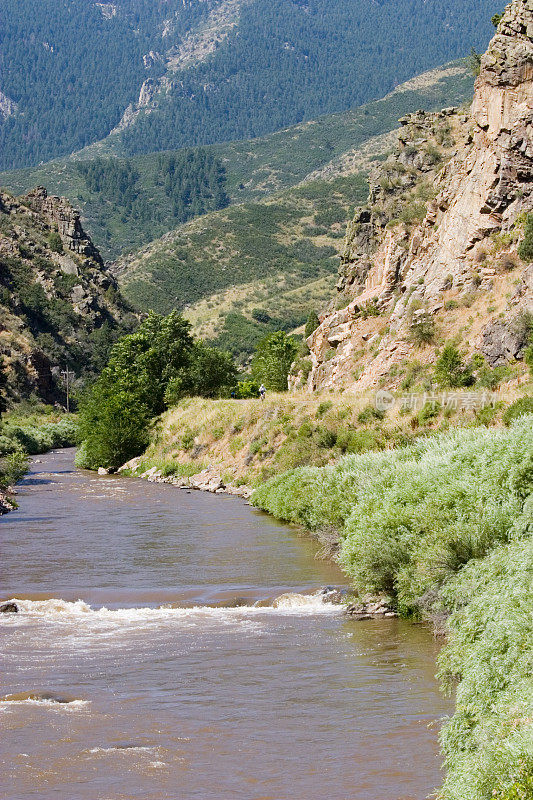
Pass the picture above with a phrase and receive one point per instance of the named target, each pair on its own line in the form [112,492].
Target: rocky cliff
[434,256]
[58,304]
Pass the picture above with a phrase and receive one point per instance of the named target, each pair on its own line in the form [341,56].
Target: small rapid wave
[124,748]
[42,700]
[287,604]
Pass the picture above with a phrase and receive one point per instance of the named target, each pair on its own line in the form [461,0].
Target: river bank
[29,432]
[444,528]
[234,446]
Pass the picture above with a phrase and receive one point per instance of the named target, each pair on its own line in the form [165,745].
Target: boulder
[333,594]
[370,608]
[9,608]
[501,342]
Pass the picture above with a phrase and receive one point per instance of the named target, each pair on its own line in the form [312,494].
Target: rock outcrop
[58,303]
[441,232]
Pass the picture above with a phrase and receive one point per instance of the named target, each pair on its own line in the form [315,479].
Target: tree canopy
[273,359]
[147,371]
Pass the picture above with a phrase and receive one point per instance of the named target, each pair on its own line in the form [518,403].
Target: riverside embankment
[233,446]
[444,527]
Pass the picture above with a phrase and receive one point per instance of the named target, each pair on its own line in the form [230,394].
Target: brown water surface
[127,676]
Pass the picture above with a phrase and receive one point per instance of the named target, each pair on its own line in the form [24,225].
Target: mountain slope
[291,60]
[435,254]
[59,307]
[169,74]
[338,143]
[254,254]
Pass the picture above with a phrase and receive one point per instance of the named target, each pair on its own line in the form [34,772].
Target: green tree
[113,425]
[145,361]
[115,415]
[450,369]
[147,371]
[3,387]
[273,359]
[312,324]
[210,373]
[474,62]
[525,251]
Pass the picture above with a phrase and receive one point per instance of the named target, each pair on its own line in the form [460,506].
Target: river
[128,676]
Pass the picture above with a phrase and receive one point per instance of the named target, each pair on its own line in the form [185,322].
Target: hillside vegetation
[249,441]
[247,170]
[255,255]
[29,430]
[59,308]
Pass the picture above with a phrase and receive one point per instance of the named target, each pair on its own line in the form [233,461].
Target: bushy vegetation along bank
[444,525]
[24,433]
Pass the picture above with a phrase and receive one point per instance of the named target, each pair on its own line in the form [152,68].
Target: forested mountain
[208,71]
[291,60]
[70,68]
[127,202]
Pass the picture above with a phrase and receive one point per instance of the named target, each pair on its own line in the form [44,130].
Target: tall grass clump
[488,743]
[410,518]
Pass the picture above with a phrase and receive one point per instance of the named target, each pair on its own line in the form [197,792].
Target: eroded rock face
[48,260]
[67,219]
[443,215]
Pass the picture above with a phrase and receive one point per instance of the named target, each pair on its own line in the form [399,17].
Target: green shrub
[255,446]
[55,242]
[326,438]
[428,412]
[304,366]
[13,467]
[359,441]
[7,445]
[487,743]
[450,369]
[370,309]
[522,406]
[369,414]
[247,389]
[423,329]
[186,441]
[411,517]
[525,251]
[491,378]
[323,408]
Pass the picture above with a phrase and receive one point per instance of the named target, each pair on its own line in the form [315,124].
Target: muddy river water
[126,675]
